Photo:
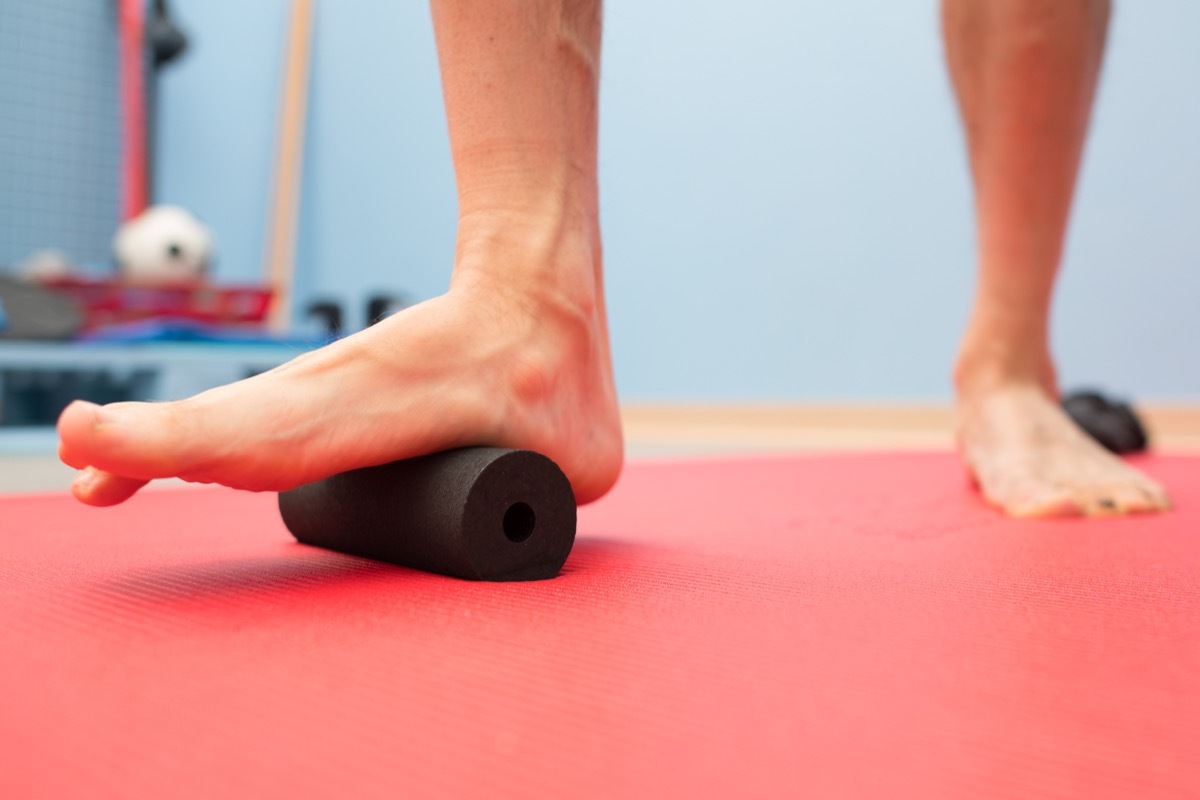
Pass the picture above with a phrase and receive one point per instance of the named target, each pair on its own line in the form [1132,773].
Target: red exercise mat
[854,626]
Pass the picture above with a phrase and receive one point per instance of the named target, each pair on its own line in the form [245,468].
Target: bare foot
[1030,460]
[484,364]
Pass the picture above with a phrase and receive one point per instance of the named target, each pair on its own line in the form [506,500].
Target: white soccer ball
[163,245]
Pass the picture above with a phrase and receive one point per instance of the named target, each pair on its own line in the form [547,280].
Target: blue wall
[59,128]
[784,190]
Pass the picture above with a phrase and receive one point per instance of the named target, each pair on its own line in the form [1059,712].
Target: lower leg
[521,85]
[1025,74]
[515,354]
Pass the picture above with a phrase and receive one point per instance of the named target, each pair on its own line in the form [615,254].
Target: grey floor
[33,473]
[43,472]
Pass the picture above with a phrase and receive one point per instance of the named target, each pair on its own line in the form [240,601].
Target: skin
[516,353]
[1025,74]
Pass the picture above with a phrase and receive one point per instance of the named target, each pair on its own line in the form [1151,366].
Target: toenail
[100,415]
[86,479]
[91,408]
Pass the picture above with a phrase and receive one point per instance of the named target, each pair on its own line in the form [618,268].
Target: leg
[1025,74]
[515,353]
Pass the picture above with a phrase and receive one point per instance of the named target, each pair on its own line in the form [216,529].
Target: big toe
[1033,500]
[137,440]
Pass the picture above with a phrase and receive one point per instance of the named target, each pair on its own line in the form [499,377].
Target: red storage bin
[111,302]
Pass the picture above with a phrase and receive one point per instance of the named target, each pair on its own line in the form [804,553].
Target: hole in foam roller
[519,521]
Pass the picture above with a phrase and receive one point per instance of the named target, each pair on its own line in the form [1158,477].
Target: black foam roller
[480,513]
[1112,423]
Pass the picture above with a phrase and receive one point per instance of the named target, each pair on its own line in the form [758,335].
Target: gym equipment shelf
[42,374]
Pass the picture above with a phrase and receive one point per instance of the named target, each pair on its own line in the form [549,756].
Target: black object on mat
[1110,422]
[480,513]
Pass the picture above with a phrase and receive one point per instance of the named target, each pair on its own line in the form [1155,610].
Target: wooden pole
[285,196]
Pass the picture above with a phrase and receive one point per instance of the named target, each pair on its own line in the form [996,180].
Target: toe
[1132,499]
[1032,499]
[140,440]
[75,424]
[1121,490]
[70,457]
[98,488]
[1051,502]
[1099,502]
[1155,495]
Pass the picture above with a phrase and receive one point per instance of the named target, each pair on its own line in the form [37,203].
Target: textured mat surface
[853,626]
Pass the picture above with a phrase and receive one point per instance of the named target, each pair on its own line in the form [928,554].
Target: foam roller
[1112,423]
[480,513]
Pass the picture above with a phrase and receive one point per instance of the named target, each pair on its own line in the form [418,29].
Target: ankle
[540,260]
[988,363]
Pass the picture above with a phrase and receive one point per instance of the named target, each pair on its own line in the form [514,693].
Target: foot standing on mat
[515,354]
[1025,73]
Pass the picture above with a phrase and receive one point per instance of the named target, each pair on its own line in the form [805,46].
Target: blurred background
[785,197]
